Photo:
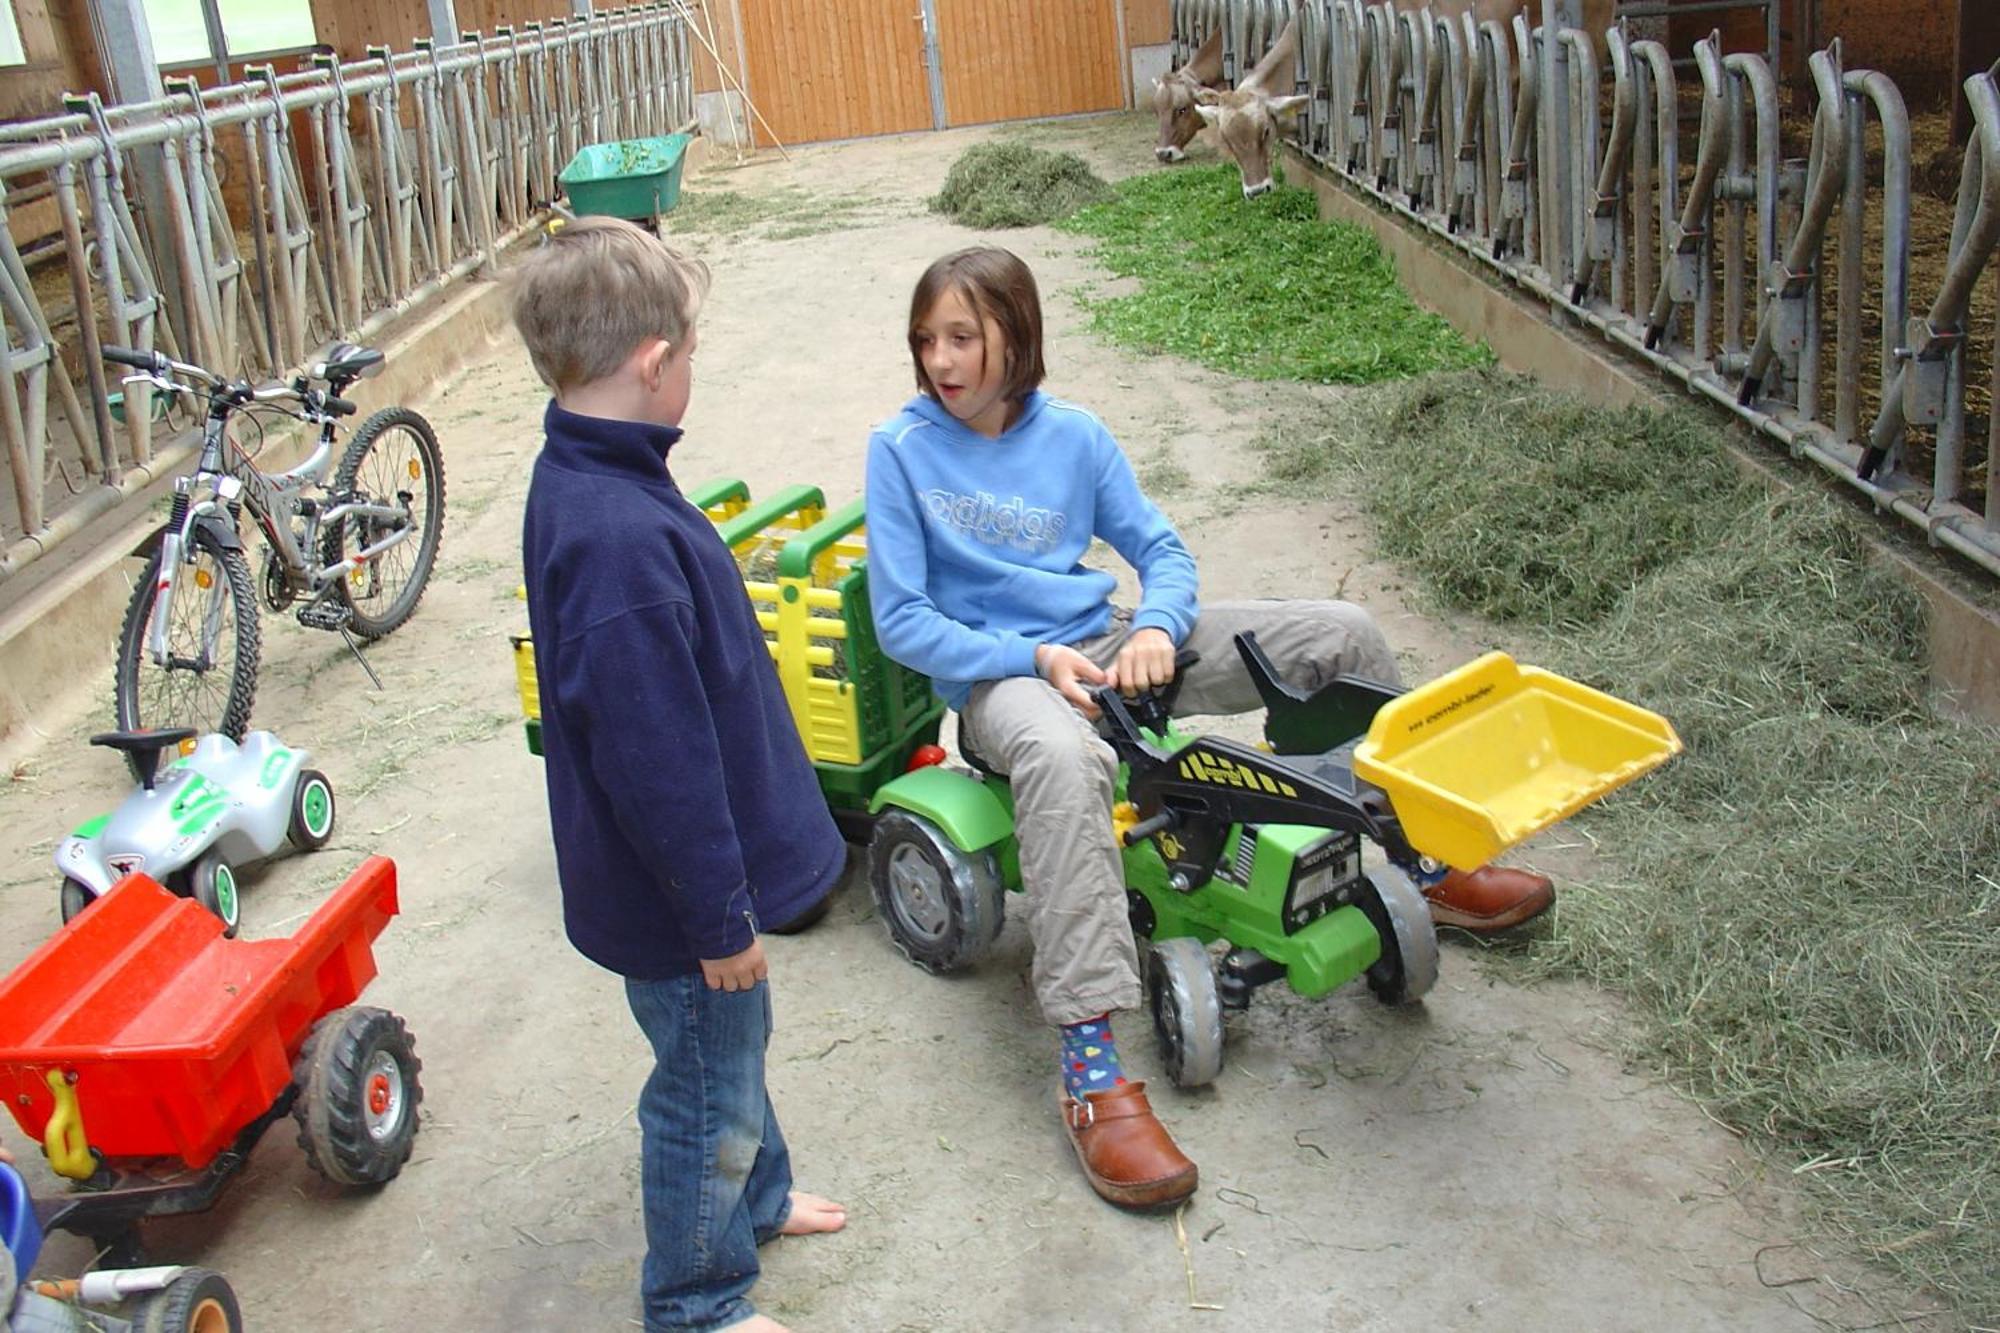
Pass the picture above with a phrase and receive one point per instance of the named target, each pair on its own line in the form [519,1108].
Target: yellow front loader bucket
[1490,754]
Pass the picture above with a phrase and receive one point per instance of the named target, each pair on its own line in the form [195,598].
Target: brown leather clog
[1126,1153]
[1489,899]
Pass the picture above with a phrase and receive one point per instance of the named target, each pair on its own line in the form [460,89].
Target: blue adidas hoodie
[685,812]
[976,545]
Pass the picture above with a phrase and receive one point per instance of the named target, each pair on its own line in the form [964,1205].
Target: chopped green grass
[1805,906]
[780,214]
[1013,184]
[1260,288]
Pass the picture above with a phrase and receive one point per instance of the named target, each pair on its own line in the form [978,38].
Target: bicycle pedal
[326,615]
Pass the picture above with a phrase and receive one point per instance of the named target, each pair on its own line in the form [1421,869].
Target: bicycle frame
[229,476]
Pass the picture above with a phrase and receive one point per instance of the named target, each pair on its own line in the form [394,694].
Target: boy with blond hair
[667,742]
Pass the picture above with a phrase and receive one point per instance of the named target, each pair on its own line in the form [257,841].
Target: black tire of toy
[1388,976]
[1190,1034]
[235,719]
[969,890]
[430,532]
[188,1303]
[76,896]
[201,887]
[331,1075]
[296,832]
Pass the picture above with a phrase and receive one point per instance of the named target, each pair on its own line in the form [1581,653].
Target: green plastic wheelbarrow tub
[631,178]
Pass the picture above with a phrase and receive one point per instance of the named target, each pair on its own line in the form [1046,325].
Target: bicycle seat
[144,747]
[341,363]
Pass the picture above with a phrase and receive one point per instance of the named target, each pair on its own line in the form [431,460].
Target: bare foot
[758,1323]
[811,1213]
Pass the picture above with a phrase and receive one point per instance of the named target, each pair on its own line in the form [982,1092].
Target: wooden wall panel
[1010,59]
[836,70]
[1148,23]
[61,58]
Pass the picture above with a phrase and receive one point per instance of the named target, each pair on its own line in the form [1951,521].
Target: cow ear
[1285,106]
[1207,113]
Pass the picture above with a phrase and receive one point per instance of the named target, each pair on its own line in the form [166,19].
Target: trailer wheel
[943,906]
[198,1301]
[358,1096]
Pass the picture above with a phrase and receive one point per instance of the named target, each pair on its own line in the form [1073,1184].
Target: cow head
[1174,104]
[1246,121]
[1174,97]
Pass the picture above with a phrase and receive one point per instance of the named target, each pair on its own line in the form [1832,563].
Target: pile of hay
[1013,185]
[1806,905]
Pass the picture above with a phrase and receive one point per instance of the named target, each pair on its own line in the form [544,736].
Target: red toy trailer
[148,1054]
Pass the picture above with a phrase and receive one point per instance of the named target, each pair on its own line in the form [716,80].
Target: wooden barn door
[836,69]
[1014,59]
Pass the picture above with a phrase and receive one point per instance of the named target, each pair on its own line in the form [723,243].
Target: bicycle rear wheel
[393,460]
[209,677]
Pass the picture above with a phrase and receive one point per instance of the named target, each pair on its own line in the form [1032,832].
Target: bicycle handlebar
[159,367]
[159,364]
[126,356]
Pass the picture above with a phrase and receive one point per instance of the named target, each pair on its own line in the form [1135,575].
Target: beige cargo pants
[1063,773]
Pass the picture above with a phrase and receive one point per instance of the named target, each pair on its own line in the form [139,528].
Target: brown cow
[1246,120]
[1173,97]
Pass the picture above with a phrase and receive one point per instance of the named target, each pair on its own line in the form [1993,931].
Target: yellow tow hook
[63,1140]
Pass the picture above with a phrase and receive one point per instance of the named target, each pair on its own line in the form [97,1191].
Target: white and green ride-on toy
[193,824]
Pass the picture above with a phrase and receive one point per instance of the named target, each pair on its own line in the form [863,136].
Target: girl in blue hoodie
[984,494]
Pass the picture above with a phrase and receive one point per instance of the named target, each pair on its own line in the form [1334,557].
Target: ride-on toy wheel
[76,896]
[213,885]
[358,1096]
[1408,967]
[943,906]
[1187,1011]
[312,811]
[198,1301]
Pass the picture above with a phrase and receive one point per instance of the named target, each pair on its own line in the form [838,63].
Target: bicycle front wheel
[208,676]
[392,461]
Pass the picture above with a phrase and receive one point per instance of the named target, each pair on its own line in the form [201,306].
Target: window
[10,36]
[251,27]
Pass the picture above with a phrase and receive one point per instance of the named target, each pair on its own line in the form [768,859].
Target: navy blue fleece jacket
[685,812]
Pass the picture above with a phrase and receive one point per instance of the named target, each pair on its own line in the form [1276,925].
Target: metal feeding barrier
[1663,214]
[239,227]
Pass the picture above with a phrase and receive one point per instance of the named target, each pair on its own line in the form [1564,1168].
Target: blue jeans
[716,1177]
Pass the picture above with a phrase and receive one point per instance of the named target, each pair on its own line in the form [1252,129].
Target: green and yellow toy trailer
[862,717]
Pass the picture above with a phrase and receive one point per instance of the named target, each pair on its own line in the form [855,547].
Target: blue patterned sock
[1089,1059]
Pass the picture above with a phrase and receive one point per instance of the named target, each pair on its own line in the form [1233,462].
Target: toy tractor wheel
[943,906]
[198,1301]
[312,811]
[358,1096]
[1187,1012]
[76,896]
[213,885]
[1408,967]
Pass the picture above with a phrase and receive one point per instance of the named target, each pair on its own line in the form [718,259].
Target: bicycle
[191,660]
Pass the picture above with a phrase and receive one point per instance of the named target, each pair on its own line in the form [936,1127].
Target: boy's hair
[998,286]
[595,289]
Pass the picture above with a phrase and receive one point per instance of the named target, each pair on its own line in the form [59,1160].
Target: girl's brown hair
[999,287]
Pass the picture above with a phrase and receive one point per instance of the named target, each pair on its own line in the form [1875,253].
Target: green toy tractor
[1258,850]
